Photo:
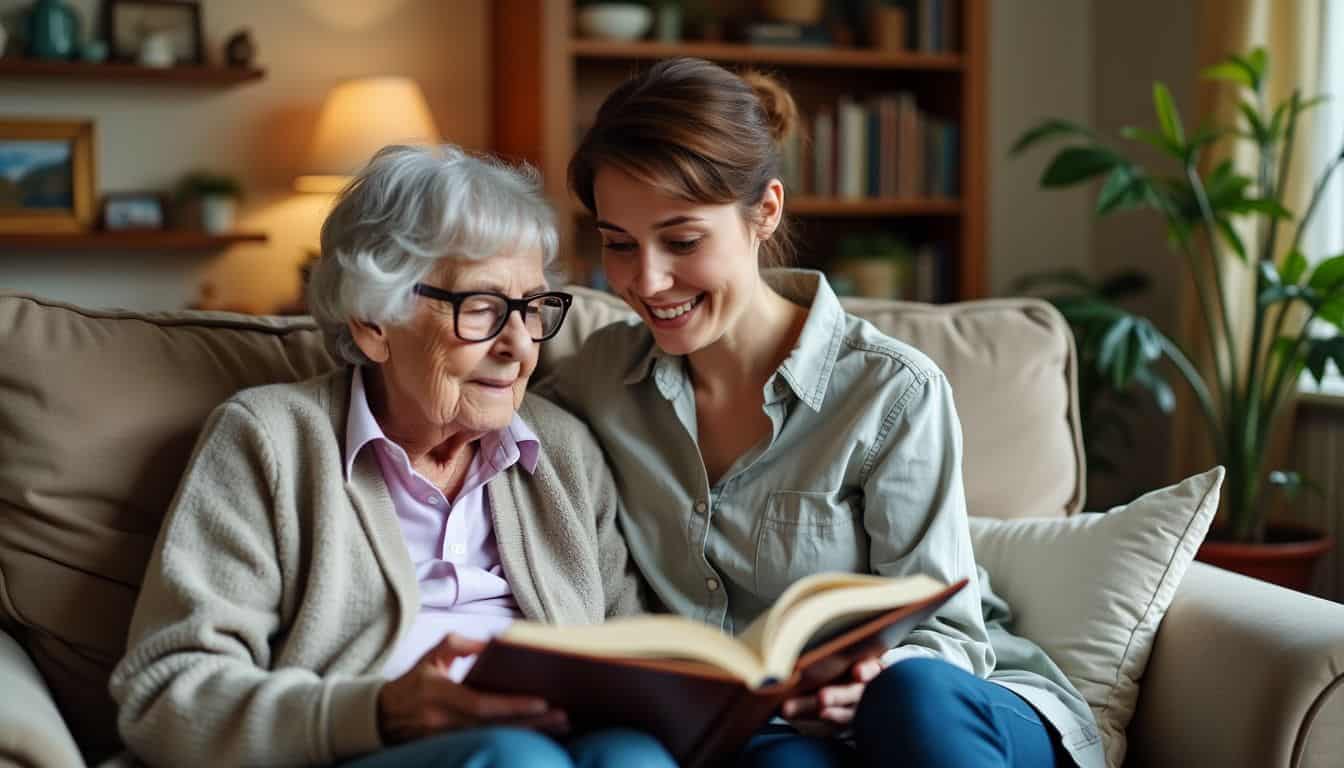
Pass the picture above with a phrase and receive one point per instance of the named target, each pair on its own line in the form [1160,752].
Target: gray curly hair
[407,209]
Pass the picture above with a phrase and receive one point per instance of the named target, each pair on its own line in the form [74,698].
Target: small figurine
[239,50]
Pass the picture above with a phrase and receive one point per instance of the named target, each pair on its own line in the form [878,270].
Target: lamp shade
[359,118]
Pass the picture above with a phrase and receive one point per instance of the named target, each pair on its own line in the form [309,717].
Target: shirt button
[712,584]
[432,500]
[700,507]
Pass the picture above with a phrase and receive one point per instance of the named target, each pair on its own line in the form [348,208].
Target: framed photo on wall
[46,175]
[129,23]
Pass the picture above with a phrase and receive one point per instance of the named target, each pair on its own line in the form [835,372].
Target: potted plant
[1211,218]
[216,196]
[873,266]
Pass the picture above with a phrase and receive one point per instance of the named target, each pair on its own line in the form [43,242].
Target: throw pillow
[1091,589]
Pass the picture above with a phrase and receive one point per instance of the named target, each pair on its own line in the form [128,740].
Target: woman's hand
[425,701]
[835,704]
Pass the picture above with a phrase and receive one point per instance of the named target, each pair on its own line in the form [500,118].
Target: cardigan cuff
[351,726]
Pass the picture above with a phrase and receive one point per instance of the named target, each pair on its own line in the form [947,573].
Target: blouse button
[712,584]
[700,507]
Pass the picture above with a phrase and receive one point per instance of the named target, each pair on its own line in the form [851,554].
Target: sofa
[99,411]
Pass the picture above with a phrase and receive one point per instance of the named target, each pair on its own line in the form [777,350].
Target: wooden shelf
[835,58]
[15,68]
[878,206]
[128,240]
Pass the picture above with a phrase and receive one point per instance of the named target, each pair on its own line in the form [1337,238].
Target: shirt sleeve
[197,680]
[915,516]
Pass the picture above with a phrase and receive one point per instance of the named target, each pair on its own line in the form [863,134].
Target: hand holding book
[701,692]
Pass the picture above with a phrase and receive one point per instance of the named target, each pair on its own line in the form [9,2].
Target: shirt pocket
[807,532]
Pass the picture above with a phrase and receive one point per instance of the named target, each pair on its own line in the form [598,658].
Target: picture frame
[126,23]
[47,179]
[133,210]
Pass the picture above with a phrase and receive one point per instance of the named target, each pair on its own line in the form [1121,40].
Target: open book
[702,692]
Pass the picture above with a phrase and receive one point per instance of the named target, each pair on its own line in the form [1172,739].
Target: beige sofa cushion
[1092,589]
[98,414]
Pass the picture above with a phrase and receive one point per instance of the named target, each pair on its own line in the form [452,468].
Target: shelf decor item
[53,30]
[216,196]
[157,33]
[615,21]
[46,176]
[132,210]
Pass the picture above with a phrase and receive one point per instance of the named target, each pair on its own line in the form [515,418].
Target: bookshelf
[549,83]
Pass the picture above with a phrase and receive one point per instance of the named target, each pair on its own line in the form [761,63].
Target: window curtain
[1291,33]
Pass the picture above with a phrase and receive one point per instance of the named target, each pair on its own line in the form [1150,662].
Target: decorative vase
[53,30]
[217,214]
[1287,557]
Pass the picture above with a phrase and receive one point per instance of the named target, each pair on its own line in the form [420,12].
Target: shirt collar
[806,371]
[516,442]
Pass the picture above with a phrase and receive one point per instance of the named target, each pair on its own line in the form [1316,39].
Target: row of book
[884,146]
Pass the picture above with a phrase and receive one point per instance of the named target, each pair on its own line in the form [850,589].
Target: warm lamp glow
[359,118]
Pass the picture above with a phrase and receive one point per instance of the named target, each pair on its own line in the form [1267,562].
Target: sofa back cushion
[99,411]
[98,415]
[1012,368]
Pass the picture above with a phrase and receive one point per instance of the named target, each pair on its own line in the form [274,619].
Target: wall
[1040,65]
[148,136]
[1136,43]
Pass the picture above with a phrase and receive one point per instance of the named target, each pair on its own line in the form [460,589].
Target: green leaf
[1047,130]
[1162,392]
[1229,71]
[1316,101]
[1075,164]
[1276,122]
[1332,312]
[1257,130]
[1167,116]
[1162,143]
[1328,275]
[1257,61]
[1233,239]
[1321,352]
[1294,267]
[1264,205]
[1122,190]
[1112,345]
[1067,278]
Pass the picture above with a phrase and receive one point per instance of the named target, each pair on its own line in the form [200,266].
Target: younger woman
[758,434]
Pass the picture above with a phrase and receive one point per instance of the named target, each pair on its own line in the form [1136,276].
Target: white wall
[1040,59]
[148,136]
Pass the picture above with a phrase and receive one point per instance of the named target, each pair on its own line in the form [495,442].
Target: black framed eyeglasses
[482,315]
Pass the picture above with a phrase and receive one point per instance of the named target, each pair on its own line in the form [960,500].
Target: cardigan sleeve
[197,681]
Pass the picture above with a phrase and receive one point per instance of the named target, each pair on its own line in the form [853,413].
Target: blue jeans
[922,712]
[500,747]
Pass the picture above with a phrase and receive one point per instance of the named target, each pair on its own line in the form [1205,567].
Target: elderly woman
[340,547]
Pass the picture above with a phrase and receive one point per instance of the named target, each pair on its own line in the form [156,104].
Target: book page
[645,637]
[823,605]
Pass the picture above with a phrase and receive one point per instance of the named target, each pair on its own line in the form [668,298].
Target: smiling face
[688,269]
[434,381]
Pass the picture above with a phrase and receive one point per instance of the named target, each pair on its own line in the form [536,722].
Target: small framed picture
[133,210]
[171,24]
[46,176]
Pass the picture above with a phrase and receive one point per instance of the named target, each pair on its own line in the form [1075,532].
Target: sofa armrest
[1243,673]
[32,732]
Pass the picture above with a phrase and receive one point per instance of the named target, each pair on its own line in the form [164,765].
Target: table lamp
[359,118]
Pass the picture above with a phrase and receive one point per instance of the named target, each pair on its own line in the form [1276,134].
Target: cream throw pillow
[1091,589]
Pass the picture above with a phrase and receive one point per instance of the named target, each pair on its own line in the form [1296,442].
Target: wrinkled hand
[425,701]
[835,704]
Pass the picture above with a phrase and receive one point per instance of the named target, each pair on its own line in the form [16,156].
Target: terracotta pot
[1287,557]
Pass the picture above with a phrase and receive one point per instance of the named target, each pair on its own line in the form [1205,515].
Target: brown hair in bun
[696,131]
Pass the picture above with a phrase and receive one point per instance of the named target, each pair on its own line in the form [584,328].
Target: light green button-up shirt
[861,473]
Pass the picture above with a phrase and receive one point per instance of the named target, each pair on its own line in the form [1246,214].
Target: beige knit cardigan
[277,590]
